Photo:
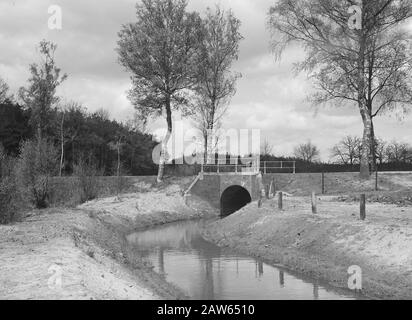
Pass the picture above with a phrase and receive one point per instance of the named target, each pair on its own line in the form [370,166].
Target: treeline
[346,155]
[83,135]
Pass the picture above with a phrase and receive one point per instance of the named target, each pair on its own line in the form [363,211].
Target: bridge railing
[242,165]
[278,167]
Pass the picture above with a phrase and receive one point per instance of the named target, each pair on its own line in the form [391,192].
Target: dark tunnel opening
[233,199]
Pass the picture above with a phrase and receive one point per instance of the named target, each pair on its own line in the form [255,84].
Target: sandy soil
[325,245]
[81,254]
[45,247]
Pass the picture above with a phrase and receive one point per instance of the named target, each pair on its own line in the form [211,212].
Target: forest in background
[89,136]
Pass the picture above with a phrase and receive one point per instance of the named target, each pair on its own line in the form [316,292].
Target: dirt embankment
[325,245]
[81,253]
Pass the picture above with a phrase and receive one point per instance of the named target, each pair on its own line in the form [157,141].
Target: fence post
[260,199]
[314,203]
[218,170]
[267,192]
[272,191]
[323,182]
[376,180]
[264,166]
[363,207]
[294,167]
[280,200]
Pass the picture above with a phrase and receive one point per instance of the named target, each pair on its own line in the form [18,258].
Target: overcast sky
[269,96]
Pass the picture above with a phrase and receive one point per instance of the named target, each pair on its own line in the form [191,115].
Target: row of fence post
[314,199]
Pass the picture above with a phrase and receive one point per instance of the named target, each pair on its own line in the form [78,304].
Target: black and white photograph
[218,152]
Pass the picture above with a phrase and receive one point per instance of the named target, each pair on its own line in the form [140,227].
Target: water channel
[205,271]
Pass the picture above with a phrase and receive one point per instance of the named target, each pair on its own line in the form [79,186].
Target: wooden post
[272,189]
[294,167]
[264,166]
[260,199]
[280,200]
[363,207]
[314,203]
[267,191]
[376,180]
[323,182]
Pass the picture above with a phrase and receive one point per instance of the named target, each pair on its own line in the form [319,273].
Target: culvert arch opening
[233,199]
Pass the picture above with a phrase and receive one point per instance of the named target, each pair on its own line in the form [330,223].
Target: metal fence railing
[241,165]
[278,167]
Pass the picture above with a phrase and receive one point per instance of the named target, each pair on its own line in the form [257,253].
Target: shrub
[8,189]
[37,163]
[87,174]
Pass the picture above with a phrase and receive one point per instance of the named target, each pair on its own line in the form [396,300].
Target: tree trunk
[363,108]
[118,167]
[62,146]
[118,159]
[365,152]
[163,154]
[373,148]
[205,148]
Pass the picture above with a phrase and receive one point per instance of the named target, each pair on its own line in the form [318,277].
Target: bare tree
[219,47]
[266,148]
[307,152]
[397,152]
[380,150]
[161,52]
[347,150]
[369,65]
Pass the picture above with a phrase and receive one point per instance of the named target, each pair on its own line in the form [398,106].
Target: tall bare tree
[219,48]
[347,150]
[40,95]
[367,65]
[307,152]
[161,52]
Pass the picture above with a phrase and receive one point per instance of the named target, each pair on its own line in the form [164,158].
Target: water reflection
[205,271]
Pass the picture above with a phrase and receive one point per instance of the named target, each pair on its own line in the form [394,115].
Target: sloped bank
[87,247]
[324,246]
[116,217]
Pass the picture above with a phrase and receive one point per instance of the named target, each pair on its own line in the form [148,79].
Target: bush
[8,189]
[37,163]
[87,174]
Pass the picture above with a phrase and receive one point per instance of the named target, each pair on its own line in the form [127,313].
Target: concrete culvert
[233,199]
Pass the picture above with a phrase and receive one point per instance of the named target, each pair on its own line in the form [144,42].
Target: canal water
[205,271]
